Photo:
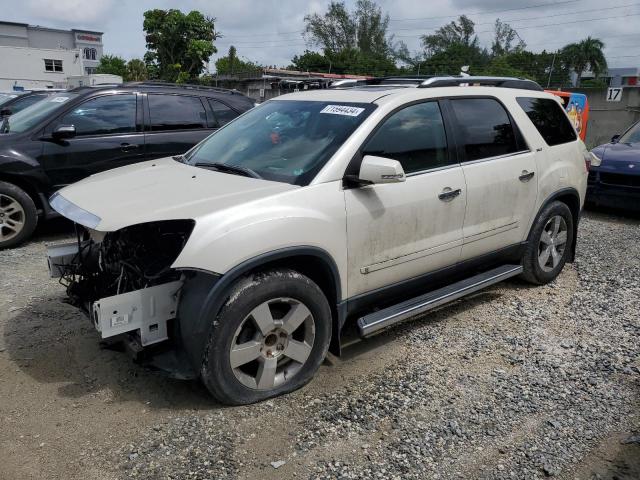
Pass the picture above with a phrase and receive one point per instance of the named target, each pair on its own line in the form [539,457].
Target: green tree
[584,55]
[310,62]
[351,41]
[455,33]
[506,40]
[178,44]
[231,64]
[113,65]
[136,71]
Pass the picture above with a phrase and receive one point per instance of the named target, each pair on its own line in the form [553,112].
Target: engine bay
[118,262]
[123,280]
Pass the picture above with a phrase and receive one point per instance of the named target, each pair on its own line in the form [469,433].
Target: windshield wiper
[179,158]
[224,167]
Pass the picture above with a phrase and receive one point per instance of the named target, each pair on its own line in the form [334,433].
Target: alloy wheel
[553,242]
[12,217]
[272,343]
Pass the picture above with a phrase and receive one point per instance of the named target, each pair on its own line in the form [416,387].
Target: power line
[541,5]
[544,25]
[554,4]
[576,12]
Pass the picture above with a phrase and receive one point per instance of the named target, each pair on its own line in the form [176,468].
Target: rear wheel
[549,244]
[18,215]
[269,338]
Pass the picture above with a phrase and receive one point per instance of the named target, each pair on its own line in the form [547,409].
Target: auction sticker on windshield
[342,110]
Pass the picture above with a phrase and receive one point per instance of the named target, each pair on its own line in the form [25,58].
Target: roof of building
[50,29]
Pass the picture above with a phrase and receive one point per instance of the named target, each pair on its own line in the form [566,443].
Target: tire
[18,215]
[549,244]
[269,338]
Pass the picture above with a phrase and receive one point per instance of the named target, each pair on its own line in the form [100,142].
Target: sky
[269,31]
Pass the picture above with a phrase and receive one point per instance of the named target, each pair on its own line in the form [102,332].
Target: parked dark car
[616,182]
[74,134]
[18,101]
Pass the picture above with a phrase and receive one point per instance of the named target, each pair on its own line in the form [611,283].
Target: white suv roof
[383,90]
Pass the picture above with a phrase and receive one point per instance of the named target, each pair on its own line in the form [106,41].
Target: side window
[549,119]
[222,113]
[485,129]
[414,136]
[26,101]
[176,112]
[103,115]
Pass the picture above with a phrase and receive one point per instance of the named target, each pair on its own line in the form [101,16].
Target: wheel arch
[29,187]
[570,197]
[207,292]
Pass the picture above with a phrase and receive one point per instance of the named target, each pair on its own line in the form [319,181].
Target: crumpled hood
[162,189]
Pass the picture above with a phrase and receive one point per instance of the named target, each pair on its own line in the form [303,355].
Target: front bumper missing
[146,311]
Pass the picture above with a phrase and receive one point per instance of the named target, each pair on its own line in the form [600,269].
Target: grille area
[620,179]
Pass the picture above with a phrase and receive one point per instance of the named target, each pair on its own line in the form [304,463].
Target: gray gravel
[515,382]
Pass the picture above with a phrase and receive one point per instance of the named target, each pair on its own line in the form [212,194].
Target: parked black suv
[74,134]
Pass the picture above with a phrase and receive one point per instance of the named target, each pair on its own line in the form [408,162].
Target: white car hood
[162,189]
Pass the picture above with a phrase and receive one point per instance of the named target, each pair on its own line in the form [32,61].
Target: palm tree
[585,54]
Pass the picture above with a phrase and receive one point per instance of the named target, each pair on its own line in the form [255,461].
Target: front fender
[313,217]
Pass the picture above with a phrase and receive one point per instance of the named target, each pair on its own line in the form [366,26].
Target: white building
[40,57]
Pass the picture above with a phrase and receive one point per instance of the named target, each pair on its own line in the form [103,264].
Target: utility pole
[553,62]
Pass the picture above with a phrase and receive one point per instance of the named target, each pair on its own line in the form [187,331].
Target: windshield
[283,140]
[5,97]
[31,116]
[632,135]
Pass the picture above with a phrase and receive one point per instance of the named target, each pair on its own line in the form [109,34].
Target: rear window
[549,118]
[222,113]
[176,112]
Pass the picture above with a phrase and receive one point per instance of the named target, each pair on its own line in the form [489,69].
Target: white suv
[242,261]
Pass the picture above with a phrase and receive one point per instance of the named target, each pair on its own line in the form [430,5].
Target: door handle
[526,176]
[448,194]
[127,147]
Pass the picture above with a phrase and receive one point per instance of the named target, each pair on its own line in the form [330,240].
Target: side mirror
[380,170]
[615,138]
[63,132]
[5,112]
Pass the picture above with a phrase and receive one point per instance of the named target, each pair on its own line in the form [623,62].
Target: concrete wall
[609,118]
[25,67]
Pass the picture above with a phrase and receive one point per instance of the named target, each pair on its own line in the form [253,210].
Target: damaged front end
[123,280]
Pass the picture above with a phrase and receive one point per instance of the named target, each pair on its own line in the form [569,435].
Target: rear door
[500,174]
[175,123]
[401,230]
[108,135]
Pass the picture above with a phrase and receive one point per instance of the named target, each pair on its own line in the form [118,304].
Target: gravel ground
[515,382]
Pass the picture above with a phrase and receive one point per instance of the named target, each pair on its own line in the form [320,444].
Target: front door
[402,230]
[500,173]
[107,136]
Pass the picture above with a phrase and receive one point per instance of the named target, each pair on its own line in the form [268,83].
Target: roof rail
[191,86]
[502,82]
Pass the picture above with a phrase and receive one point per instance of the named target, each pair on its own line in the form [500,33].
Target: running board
[373,322]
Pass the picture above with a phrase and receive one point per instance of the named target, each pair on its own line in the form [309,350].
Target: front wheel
[18,215]
[549,244]
[269,338]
